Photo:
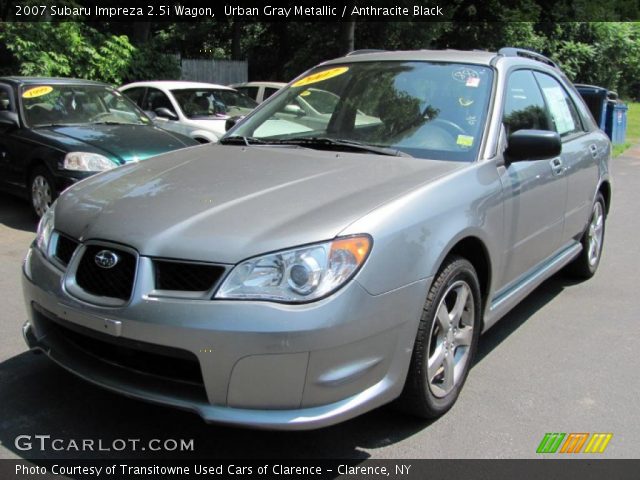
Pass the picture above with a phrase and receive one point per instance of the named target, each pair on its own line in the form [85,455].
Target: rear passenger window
[562,109]
[524,106]
[268,91]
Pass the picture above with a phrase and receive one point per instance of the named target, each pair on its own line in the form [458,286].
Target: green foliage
[599,53]
[67,49]
[149,61]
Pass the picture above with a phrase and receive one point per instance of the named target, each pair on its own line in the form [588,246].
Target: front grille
[167,363]
[115,282]
[65,247]
[190,277]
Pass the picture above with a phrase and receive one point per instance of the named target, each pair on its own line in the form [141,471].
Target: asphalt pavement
[564,360]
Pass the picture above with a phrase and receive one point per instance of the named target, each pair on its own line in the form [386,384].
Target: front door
[535,191]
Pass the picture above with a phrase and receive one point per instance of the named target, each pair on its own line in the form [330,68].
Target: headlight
[298,275]
[45,228]
[87,162]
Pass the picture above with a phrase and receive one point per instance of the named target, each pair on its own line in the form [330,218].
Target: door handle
[593,148]
[556,166]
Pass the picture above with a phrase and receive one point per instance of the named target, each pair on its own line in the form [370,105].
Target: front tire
[586,264]
[446,341]
[41,190]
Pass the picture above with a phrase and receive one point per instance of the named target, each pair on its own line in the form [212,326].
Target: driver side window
[524,107]
[157,99]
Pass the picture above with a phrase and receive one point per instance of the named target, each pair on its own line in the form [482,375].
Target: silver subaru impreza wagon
[321,262]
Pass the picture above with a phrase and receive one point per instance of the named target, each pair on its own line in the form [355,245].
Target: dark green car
[56,131]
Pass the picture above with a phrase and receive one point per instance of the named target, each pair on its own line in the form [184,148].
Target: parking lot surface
[564,360]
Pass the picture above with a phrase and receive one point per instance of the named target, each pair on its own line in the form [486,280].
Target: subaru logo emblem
[106,259]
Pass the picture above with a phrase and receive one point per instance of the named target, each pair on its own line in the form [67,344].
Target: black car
[56,131]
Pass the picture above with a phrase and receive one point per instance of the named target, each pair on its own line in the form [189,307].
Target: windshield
[426,110]
[45,105]
[209,102]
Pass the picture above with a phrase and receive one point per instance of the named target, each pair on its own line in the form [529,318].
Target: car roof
[260,84]
[48,80]
[479,57]
[176,85]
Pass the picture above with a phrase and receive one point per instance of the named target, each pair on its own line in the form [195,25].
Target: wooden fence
[222,72]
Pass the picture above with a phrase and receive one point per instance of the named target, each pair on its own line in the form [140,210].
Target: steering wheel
[449,126]
[438,134]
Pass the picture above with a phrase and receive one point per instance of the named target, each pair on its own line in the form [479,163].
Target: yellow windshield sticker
[465,140]
[37,91]
[320,76]
[306,93]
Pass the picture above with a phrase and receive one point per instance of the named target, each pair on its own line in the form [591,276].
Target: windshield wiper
[312,142]
[111,122]
[239,140]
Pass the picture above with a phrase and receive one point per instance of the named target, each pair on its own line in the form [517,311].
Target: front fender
[414,233]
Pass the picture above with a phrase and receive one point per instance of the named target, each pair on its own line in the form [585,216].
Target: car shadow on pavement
[544,294]
[38,397]
[16,213]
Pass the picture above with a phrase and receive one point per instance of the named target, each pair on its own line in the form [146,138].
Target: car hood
[227,203]
[124,143]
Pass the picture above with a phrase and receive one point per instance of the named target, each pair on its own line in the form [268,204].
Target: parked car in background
[259,91]
[294,280]
[56,131]
[198,110]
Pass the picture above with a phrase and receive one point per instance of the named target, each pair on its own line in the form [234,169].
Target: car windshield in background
[46,105]
[427,110]
[203,103]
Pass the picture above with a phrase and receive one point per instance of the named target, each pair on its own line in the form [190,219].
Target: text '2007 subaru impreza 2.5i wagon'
[307,270]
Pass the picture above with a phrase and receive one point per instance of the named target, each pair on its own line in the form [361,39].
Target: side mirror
[9,119]
[294,109]
[533,145]
[232,122]
[164,112]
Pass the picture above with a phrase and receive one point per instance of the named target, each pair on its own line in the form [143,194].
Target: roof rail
[363,51]
[521,52]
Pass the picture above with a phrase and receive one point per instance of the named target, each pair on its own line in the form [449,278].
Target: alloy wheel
[41,194]
[450,339]
[596,232]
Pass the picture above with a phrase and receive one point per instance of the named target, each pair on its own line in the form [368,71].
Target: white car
[198,110]
[259,91]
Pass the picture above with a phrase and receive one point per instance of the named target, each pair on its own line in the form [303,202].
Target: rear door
[580,151]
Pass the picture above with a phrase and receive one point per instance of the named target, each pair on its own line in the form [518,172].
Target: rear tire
[586,264]
[42,192]
[446,341]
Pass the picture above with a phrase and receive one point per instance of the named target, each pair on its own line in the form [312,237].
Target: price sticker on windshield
[37,91]
[465,140]
[320,76]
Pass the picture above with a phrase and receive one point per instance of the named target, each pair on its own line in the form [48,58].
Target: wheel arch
[474,249]
[605,190]
[34,163]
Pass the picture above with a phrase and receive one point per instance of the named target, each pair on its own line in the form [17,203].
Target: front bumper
[260,364]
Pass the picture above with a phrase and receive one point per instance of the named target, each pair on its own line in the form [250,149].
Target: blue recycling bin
[616,125]
[596,99]
[610,114]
